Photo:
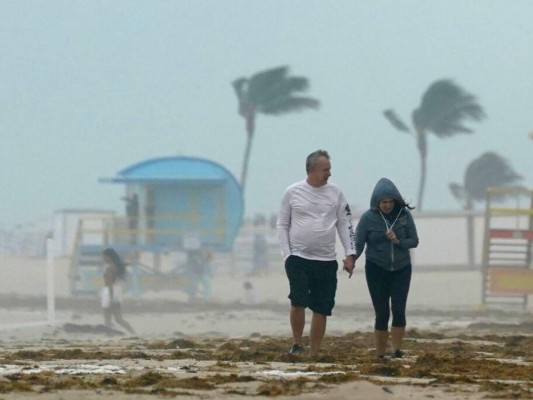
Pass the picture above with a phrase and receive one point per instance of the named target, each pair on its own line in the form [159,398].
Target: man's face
[319,175]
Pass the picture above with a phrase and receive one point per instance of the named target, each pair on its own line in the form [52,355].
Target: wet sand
[479,361]
[228,349]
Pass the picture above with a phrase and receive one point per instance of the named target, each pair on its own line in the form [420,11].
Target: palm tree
[270,92]
[442,111]
[488,170]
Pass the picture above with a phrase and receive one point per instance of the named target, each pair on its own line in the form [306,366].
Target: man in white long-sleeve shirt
[312,212]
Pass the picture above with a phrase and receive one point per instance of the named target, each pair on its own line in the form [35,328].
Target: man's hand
[349,265]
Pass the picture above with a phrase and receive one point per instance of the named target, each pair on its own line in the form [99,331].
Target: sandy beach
[228,348]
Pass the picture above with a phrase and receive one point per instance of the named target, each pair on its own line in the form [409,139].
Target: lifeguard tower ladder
[507,265]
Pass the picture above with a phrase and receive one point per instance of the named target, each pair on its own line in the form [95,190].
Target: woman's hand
[392,237]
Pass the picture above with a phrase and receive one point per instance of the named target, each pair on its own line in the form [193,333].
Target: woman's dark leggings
[388,290]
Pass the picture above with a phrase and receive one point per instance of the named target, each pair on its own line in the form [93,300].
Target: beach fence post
[50,282]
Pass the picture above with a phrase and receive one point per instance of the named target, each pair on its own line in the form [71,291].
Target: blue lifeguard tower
[173,204]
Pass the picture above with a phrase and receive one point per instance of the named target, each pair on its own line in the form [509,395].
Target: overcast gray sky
[91,87]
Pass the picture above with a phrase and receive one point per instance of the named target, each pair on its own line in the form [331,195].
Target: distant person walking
[111,295]
[132,214]
[199,270]
[250,294]
[311,213]
[260,254]
[389,232]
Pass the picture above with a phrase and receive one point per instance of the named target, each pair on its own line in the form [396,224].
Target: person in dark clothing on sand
[389,232]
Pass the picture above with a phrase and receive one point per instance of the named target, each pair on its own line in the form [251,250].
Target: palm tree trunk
[245,163]
[422,149]
[422,182]
[250,127]
[470,231]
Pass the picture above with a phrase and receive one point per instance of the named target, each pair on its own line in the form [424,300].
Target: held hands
[349,264]
[392,237]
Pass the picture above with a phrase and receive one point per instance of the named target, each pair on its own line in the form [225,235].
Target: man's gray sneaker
[296,349]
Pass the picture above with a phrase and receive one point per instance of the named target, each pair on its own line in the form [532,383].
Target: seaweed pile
[489,365]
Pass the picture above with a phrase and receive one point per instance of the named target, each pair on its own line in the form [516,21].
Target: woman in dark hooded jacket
[389,232]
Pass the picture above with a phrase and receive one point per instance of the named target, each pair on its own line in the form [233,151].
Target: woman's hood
[385,189]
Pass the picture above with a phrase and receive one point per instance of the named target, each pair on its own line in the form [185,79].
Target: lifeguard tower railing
[507,267]
[174,233]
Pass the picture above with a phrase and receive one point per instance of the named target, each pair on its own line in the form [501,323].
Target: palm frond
[490,169]
[445,107]
[273,92]
[458,192]
[239,87]
[457,128]
[263,81]
[290,104]
[391,116]
[285,88]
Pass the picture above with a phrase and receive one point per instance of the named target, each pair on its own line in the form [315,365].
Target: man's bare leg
[318,328]
[297,316]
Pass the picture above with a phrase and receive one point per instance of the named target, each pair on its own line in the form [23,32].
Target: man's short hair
[312,159]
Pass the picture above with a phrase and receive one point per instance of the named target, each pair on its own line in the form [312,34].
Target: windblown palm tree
[270,92]
[488,170]
[442,111]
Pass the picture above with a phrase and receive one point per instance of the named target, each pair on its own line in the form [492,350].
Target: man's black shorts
[313,283]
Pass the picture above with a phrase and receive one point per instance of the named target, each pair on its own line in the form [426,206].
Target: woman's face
[386,205]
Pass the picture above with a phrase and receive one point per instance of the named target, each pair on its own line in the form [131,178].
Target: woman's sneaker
[397,354]
[296,349]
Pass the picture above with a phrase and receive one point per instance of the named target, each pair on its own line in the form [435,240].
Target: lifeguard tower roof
[179,197]
[173,169]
